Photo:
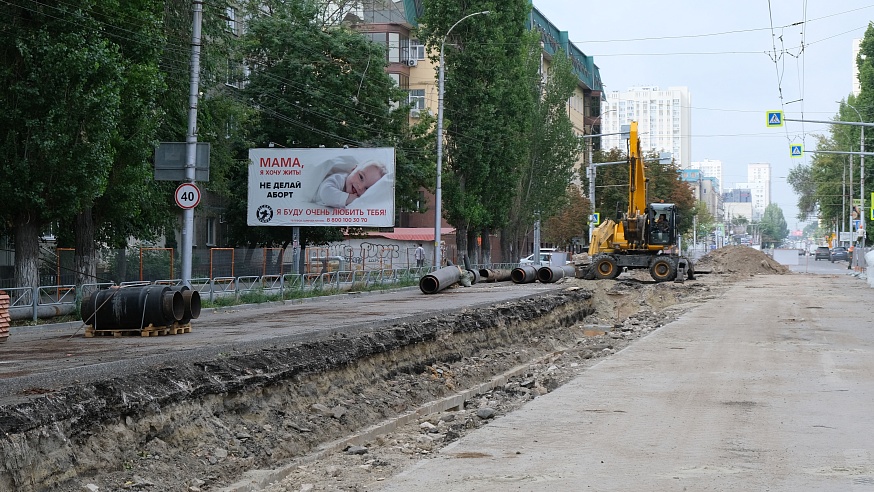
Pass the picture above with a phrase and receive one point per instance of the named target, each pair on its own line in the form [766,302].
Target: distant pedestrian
[419,255]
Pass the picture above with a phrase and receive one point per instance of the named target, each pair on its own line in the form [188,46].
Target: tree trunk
[26,231]
[121,269]
[471,252]
[85,254]
[486,247]
[460,242]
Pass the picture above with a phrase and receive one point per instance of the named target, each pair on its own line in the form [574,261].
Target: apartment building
[393,23]
[664,119]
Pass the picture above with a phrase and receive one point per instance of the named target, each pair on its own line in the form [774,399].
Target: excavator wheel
[605,267]
[663,269]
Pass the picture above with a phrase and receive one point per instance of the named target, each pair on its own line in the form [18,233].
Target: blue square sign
[775,119]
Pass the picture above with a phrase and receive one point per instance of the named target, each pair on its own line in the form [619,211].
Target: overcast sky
[724,52]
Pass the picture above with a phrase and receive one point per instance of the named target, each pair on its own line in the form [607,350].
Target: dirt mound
[740,261]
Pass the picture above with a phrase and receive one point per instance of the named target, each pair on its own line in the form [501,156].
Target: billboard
[321,187]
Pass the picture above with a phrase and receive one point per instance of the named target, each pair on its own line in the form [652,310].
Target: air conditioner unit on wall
[415,113]
[412,62]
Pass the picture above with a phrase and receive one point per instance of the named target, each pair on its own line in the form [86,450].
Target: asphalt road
[769,387]
[39,358]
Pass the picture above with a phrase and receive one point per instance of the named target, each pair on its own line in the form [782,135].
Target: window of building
[210,232]
[231,19]
[417,50]
[394,48]
[237,74]
[417,99]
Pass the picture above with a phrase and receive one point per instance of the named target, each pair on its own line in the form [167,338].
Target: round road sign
[187,195]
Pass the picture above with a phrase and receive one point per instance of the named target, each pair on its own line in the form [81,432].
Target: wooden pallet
[149,331]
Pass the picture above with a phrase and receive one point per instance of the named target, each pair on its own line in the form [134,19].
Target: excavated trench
[200,424]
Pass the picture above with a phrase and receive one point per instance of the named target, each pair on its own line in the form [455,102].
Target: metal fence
[57,300]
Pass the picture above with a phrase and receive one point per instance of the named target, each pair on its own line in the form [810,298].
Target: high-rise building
[664,120]
[759,184]
[711,169]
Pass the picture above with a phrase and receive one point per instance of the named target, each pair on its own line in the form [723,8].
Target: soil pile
[740,261]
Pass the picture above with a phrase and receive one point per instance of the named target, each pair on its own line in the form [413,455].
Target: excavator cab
[661,224]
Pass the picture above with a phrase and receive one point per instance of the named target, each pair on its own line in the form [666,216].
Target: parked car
[839,253]
[545,257]
[822,253]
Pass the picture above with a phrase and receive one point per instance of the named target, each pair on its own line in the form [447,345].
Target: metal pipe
[439,279]
[552,274]
[132,308]
[524,274]
[191,300]
[494,275]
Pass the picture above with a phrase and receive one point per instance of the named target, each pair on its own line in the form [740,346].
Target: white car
[545,257]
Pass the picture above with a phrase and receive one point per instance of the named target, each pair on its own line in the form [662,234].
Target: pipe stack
[134,308]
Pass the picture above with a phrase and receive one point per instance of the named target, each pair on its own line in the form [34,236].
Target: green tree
[64,83]
[773,226]
[703,222]
[312,86]
[664,184]
[553,151]
[487,89]
[571,222]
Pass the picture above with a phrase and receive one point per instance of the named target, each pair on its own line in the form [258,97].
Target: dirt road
[272,398]
[768,388]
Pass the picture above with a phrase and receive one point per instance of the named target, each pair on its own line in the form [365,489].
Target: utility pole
[191,139]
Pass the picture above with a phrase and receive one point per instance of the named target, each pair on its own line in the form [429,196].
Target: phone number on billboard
[347,219]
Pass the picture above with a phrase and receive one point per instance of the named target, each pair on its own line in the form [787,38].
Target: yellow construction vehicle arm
[636,175]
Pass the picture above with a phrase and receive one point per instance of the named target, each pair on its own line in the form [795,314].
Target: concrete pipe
[492,275]
[192,303]
[551,274]
[439,279]
[133,308]
[524,274]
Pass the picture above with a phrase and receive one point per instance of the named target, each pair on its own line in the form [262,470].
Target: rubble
[342,413]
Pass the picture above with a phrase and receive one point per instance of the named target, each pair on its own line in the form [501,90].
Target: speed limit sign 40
[187,195]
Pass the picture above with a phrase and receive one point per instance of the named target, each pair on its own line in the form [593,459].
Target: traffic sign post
[595,218]
[187,196]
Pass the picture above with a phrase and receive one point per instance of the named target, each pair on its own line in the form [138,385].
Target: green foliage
[62,100]
[773,226]
[320,86]
[487,97]
[821,185]
[703,221]
[571,222]
[664,185]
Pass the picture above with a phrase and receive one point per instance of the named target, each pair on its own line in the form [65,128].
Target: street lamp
[438,212]
[861,177]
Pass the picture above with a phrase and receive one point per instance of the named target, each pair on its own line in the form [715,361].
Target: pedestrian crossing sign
[796,150]
[775,119]
[595,218]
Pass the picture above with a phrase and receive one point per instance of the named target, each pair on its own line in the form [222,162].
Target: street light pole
[438,194]
[861,178]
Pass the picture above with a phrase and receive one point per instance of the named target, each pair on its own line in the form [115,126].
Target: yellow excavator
[645,236]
